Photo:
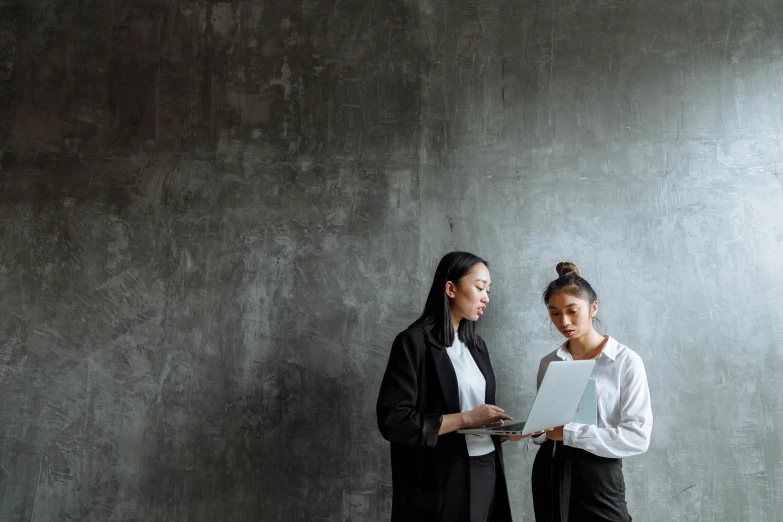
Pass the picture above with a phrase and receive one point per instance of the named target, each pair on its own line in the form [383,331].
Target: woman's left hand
[555,433]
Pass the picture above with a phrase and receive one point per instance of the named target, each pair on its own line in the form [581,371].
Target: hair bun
[566,267]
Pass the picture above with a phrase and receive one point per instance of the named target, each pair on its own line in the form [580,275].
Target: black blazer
[430,473]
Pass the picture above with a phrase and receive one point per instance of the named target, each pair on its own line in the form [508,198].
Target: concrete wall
[215,216]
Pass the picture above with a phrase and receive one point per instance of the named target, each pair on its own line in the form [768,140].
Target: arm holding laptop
[399,419]
[631,435]
[479,416]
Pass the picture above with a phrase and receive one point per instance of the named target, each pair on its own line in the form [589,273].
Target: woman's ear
[451,289]
[594,309]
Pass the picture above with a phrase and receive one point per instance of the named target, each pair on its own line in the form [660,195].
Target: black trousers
[574,485]
[482,486]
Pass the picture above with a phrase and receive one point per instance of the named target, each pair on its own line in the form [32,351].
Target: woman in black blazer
[439,379]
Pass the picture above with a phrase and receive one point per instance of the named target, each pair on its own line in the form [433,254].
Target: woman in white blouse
[577,474]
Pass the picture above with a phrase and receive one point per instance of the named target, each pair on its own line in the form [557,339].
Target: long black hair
[436,317]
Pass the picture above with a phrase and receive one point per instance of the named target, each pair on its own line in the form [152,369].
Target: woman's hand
[485,414]
[555,433]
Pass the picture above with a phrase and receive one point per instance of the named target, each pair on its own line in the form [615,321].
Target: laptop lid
[555,403]
[587,411]
[559,394]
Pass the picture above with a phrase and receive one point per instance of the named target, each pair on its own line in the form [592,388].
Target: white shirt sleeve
[632,434]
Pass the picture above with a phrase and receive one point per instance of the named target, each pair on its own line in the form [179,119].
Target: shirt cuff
[570,432]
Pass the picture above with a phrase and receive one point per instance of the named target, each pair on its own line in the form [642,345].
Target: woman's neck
[582,347]
[455,322]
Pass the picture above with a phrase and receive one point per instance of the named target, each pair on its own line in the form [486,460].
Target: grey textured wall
[215,216]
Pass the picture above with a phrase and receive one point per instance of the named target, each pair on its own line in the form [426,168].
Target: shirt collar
[610,350]
[563,353]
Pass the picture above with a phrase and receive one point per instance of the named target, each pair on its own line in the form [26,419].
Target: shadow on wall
[196,197]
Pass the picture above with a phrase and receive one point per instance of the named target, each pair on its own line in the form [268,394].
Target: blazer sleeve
[398,419]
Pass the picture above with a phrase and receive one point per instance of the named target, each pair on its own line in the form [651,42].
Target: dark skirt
[571,484]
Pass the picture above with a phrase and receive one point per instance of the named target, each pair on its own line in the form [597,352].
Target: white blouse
[472,393]
[625,418]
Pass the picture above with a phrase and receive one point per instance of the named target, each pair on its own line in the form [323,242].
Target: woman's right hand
[485,414]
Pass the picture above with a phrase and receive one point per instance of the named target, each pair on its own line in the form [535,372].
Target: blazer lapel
[446,375]
[482,361]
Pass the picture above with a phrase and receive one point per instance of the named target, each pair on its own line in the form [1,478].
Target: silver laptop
[555,404]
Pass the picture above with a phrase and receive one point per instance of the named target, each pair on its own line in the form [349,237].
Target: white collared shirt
[472,393]
[625,416]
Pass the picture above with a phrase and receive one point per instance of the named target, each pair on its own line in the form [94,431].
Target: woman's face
[573,316]
[468,297]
